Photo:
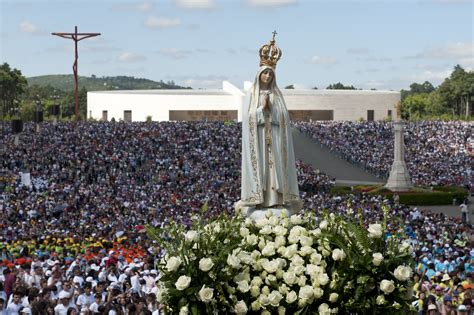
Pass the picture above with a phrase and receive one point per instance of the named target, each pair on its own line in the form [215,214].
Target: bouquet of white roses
[278,265]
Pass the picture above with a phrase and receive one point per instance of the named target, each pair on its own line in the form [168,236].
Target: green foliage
[65,82]
[453,99]
[12,87]
[340,86]
[340,190]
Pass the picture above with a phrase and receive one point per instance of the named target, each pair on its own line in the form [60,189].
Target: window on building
[104,115]
[389,113]
[370,115]
[127,115]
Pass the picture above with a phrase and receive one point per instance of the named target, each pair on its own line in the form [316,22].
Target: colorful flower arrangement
[283,265]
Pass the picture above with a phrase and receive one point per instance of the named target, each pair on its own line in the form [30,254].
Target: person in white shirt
[15,305]
[85,299]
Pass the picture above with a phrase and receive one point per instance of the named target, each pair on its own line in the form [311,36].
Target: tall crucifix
[76,37]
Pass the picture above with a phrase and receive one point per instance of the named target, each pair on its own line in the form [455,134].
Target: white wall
[346,104]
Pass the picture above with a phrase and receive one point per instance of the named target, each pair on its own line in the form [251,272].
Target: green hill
[65,82]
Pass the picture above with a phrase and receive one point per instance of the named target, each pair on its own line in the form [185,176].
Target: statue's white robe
[258,178]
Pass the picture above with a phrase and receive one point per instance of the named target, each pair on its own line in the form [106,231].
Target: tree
[416,105]
[290,87]
[12,86]
[455,92]
[416,88]
[340,86]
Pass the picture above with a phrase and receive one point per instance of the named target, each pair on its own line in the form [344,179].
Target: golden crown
[270,53]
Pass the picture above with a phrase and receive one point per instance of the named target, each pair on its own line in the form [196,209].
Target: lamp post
[17,123]
[38,113]
[55,109]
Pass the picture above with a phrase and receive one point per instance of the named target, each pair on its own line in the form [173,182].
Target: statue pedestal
[399,178]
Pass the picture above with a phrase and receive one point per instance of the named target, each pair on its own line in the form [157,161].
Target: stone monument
[399,178]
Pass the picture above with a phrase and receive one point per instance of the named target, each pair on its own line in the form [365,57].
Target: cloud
[131,57]
[269,3]
[195,4]
[161,22]
[317,60]
[140,7]
[447,51]
[175,53]
[200,82]
[378,59]
[30,28]
[358,51]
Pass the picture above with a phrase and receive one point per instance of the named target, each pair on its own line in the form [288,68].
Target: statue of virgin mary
[268,163]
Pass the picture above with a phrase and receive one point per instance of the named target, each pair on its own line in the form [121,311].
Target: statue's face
[266,76]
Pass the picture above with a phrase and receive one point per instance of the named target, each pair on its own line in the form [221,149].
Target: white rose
[269,249]
[275,297]
[255,306]
[270,279]
[377,259]
[306,292]
[161,294]
[263,299]
[333,297]
[316,258]
[338,254]
[323,225]
[280,242]
[243,286]
[270,266]
[380,300]
[260,223]
[191,236]
[252,239]
[296,219]
[257,281]
[184,310]
[318,292]
[244,232]
[324,309]
[291,297]
[299,269]
[402,273]
[375,230]
[266,230]
[387,286]
[323,278]
[273,220]
[290,251]
[206,264]
[279,230]
[233,261]
[302,281]
[306,251]
[254,291]
[240,308]
[206,294]
[306,241]
[289,278]
[173,264]
[265,291]
[281,310]
[183,283]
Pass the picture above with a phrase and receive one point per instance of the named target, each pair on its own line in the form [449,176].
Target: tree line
[452,99]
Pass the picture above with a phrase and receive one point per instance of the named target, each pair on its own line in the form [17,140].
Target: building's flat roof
[335,92]
[166,92]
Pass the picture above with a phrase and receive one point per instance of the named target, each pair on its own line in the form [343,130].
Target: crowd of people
[75,240]
[436,152]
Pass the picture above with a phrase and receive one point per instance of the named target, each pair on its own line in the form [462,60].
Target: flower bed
[292,265]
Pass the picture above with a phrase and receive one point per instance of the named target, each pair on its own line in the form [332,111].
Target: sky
[384,44]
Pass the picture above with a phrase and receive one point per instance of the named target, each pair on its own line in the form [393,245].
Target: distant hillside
[65,82]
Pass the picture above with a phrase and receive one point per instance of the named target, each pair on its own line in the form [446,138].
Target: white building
[165,105]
